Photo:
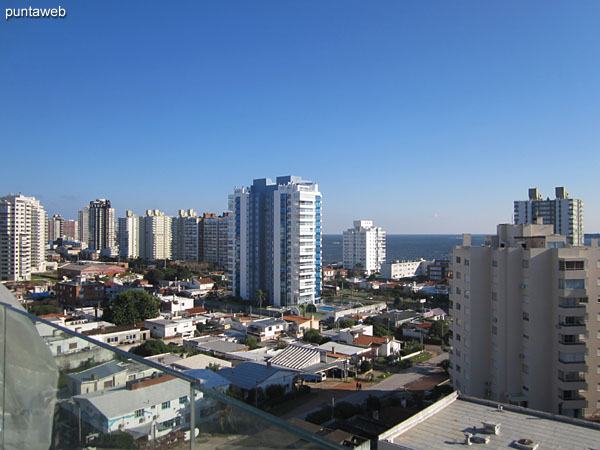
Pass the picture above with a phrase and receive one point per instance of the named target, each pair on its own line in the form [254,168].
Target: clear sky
[424,116]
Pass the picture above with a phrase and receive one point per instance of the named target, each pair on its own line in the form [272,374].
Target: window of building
[494,263]
[458,260]
[466,262]
[108,384]
[494,296]
[139,413]
[525,368]
[458,291]
[494,329]
[182,400]
[467,311]
[526,316]
[458,367]
[525,264]
[166,405]
[458,275]
[457,337]
[571,284]
[457,306]
[73,345]
[467,293]
[571,265]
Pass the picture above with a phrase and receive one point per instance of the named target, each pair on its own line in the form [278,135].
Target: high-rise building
[186,239]
[129,235]
[71,230]
[276,241]
[156,235]
[225,222]
[526,320]
[55,227]
[210,238]
[101,226]
[215,238]
[364,247]
[22,237]
[83,225]
[564,213]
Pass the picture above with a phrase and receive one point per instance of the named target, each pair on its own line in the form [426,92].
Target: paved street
[381,389]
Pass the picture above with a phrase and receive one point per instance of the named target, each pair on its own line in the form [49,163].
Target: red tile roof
[367,341]
[298,319]
[197,310]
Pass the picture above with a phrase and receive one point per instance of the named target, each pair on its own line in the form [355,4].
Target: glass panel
[64,390]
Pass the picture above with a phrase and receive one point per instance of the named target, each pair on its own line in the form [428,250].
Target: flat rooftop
[443,425]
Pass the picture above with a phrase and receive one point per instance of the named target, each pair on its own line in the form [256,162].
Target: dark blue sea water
[403,246]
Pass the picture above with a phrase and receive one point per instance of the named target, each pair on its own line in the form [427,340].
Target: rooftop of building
[250,374]
[444,424]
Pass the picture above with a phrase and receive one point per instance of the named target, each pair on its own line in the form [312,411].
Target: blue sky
[424,116]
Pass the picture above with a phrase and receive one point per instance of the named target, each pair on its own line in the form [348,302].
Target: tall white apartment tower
[364,246]
[22,237]
[186,236]
[526,320]
[156,235]
[129,235]
[276,245]
[564,213]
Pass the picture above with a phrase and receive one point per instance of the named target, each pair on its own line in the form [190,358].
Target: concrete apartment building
[364,246]
[128,235]
[101,227]
[83,225]
[156,236]
[55,228]
[526,320]
[71,230]
[276,241]
[564,213]
[396,270]
[187,227]
[22,237]
[215,238]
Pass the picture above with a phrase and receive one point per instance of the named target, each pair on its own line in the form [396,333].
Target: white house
[267,329]
[251,375]
[148,408]
[164,328]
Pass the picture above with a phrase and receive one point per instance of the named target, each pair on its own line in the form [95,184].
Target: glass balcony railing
[63,390]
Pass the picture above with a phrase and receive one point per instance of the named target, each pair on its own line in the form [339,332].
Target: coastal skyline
[425,118]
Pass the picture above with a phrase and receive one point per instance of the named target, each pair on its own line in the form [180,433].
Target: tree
[214,367]
[131,307]
[439,329]
[260,295]
[40,310]
[310,308]
[347,323]
[365,366]
[155,276]
[151,347]
[380,331]
[314,337]
[251,342]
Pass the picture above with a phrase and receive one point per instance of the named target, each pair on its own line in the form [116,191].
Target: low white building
[267,329]
[397,270]
[146,408]
[165,328]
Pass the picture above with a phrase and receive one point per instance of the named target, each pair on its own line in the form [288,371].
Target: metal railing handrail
[195,383]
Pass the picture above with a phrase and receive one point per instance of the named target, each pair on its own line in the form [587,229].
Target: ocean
[403,246]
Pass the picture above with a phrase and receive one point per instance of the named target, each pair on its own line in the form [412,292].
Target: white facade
[277,241]
[22,237]
[156,237]
[364,246]
[129,235]
[404,269]
[163,328]
[526,320]
[564,213]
